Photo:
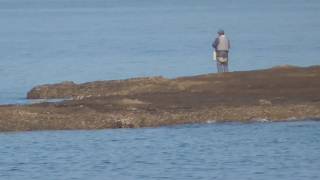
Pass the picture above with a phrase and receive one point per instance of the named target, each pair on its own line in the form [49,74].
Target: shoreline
[209,122]
[282,93]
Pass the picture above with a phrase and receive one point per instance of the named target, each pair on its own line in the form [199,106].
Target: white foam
[262,120]
[211,121]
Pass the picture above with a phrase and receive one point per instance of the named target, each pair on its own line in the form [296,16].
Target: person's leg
[226,68]
[218,66]
[226,61]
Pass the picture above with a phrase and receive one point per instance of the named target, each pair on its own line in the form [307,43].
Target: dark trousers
[222,67]
[222,61]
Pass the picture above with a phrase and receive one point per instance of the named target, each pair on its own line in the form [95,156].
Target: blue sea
[222,151]
[49,41]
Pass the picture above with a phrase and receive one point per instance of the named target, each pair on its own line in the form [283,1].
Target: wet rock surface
[280,93]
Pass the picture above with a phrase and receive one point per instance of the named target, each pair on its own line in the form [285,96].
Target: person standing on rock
[221,47]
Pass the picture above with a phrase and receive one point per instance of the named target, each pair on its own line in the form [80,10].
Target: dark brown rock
[62,90]
[281,93]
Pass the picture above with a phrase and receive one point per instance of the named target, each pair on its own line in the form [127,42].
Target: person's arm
[229,44]
[215,43]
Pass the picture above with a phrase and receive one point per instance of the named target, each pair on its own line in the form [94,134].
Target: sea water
[49,41]
[222,151]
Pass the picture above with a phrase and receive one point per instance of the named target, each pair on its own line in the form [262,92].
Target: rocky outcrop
[100,88]
[62,90]
[281,93]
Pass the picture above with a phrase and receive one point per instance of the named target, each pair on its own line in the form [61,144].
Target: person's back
[222,46]
[223,43]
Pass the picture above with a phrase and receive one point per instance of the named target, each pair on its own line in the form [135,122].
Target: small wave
[262,120]
[211,121]
[292,119]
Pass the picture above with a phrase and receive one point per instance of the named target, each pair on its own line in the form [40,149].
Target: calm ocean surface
[49,41]
[222,151]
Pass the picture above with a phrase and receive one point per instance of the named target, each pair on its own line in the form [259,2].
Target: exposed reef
[281,93]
